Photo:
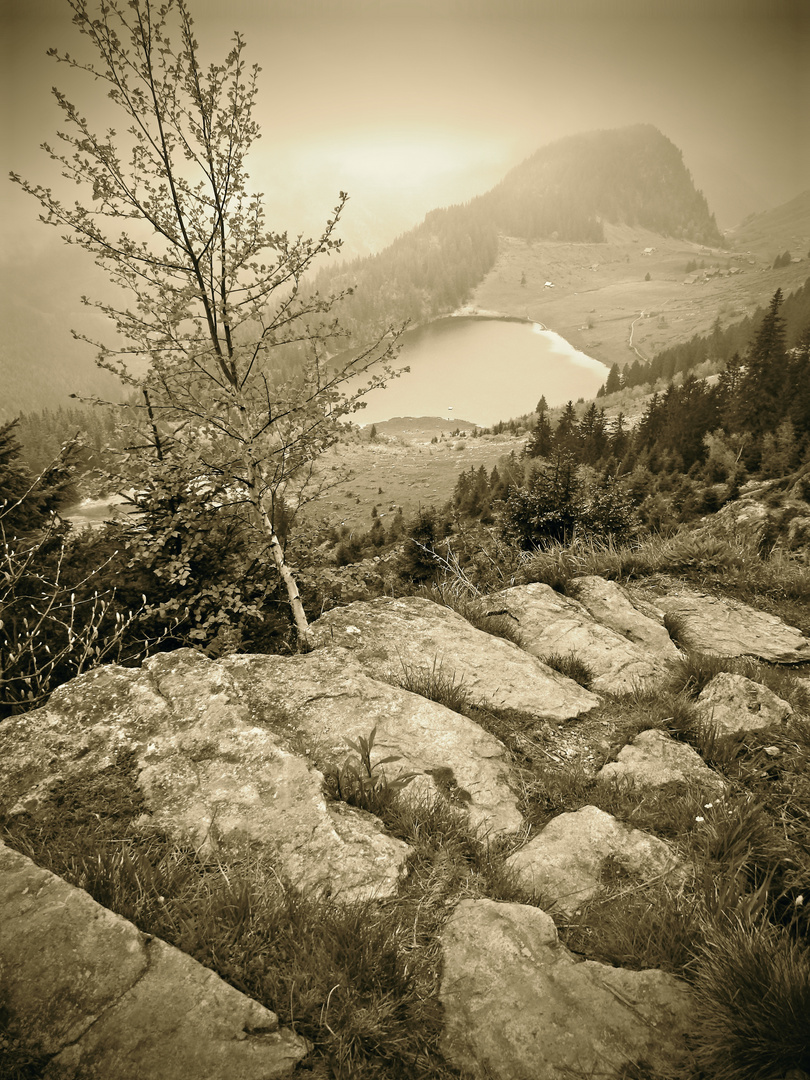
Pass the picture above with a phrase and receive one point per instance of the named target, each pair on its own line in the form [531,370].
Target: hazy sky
[409,105]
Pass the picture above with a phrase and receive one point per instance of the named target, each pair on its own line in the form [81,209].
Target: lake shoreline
[485,366]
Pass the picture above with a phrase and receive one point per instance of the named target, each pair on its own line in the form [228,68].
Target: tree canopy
[232,360]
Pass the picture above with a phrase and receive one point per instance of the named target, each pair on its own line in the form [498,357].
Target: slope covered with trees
[718,346]
[691,451]
[633,175]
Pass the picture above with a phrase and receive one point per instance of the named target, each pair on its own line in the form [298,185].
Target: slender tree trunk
[277,552]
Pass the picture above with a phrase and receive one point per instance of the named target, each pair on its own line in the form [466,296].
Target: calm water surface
[483,370]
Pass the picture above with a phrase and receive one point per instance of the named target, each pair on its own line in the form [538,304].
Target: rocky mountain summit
[248,753]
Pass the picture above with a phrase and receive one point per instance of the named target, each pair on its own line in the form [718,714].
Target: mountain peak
[633,175]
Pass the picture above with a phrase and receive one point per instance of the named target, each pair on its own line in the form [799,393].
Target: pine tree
[540,440]
[762,387]
[614,380]
[566,435]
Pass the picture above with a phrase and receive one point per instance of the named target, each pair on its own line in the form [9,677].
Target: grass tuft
[570,665]
[695,670]
[752,985]
[476,611]
[438,685]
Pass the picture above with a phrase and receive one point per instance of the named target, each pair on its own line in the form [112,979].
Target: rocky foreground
[234,751]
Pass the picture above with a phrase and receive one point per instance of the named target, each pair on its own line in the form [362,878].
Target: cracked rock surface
[725,627]
[388,637]
[87,987]
[209,774]
[519,1006]
[554,624]
[324,698]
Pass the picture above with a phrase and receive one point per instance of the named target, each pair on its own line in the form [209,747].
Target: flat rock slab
[564,865]
[210,774]
[734,704]
[518,1005]
[641,623]
[326,699]
[653,759]
[550,623]
[87,987]
[389,637]
[724,627]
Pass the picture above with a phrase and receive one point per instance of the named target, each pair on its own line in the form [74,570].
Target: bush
[417,563]
[559,505]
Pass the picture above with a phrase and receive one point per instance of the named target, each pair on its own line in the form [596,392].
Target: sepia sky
[410,104]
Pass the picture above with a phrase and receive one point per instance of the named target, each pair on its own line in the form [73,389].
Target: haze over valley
[466,96]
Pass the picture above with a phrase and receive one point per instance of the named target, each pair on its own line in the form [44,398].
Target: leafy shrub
[60,617]
[363,784]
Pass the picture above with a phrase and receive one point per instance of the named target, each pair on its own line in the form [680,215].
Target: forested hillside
[717,347]
[634,176]
[693,448]
[566,191]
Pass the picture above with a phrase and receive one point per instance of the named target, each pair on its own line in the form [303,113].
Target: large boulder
[324,699]
[736,705]
[86,986]
[639,622]
[654,760]
[564,865]
[390,637]
[519,1006]
[550,623]
[724,627]
[211,774]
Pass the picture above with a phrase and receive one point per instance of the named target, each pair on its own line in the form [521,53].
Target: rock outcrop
[325,699]
[736,705]
[232,754]
[550,623]
[564,865]
[210,773]
[519,1006]
[723,627]
[86,987]
[653,760]
[639,622]
[391,637]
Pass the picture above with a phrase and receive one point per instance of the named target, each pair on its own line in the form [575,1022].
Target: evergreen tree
[798,379]
[614,380]
[566,435]
[593,434]
[619,438]
[540,439]
[762,387]
[28,502]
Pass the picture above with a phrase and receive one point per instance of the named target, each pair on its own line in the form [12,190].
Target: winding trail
[630,342]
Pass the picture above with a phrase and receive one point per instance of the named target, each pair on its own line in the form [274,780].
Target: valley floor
[598,294]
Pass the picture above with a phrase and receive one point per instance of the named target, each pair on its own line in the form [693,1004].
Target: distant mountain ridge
[566,191]
[631,176]
[785,227]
